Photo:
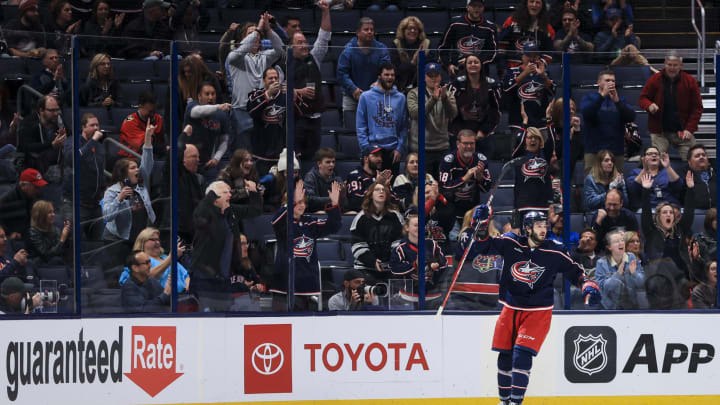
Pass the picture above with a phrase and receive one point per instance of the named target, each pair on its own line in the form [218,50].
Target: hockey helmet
[531,218]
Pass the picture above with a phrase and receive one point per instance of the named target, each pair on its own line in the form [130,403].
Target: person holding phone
[44,244]
[41,137]
[127,208]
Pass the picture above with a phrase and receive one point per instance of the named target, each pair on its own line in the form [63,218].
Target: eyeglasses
[467,143]
[634,241]
[52,110]
[145,262]
[154,239]
[652,154]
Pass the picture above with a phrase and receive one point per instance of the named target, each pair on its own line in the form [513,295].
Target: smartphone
[127,183]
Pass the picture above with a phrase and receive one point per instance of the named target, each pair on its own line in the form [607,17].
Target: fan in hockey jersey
[359,180]
[464,174]
[530,265]
[306,229]
[529,23]
[530,87]
[267,106]
[439,214]
[533,178]
[373,231]
[404,263]
[469,34]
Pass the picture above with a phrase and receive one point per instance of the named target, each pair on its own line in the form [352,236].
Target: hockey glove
[481,221]
[591,292]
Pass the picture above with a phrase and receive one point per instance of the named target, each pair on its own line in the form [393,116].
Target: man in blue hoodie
[382,119]
[357,67]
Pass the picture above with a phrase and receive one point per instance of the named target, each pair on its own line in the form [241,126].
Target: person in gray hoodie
[245,66]
[382,119]
[357,67]
[440,109]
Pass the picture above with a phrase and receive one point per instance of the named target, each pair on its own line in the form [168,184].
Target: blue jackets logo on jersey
[534,169]
[590,355]
[470,45]
[303,247]
[527,272]
[483,264]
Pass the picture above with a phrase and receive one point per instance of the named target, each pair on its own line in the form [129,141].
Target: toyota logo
[267,358]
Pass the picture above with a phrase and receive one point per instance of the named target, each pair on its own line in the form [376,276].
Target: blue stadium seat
[495,167]
[349,148]
[133,70]
[331,119]
[631,76]
[344,233]
[84,69]
[433,21]
[93,277]
[162,70]
[555,71]
[584,75]
[577,222]
[33,66]
[345,21]
[61,274]
[628,167]
[331,95]
[119,115]
[342,168]
[161,94]
[499,17]
[331,254]
[577,94]
[631,96]
[105,301]
[503,200]
[698,225]
[328,140]
[14,69]
[385,22]
[208,46]
[328,72]
[131,92]
[241,15]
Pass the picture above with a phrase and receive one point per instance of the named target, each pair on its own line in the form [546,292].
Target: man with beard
[26,35]
[464,174]
[470,34]
[613,216]
[42,136]
[571,39]
[382,119]
[210,129]
[360,179]
[705,191]
[531,263]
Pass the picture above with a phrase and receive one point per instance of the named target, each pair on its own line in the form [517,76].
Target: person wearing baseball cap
[17,203]
[440,109]
[12,291]
[359,180]
[349,299]
[26,34]
[469,34]
[151,24]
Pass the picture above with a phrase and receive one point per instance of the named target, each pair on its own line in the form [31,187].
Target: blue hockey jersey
[527,278]
[305,232]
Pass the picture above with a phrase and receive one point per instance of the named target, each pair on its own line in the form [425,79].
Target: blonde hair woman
[43,243]
[148,241]
[410,40]
[101,89]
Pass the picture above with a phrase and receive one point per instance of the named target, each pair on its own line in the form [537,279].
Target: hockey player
[531,263]
[464,173]
[470,34]
[306,230]
[404,261]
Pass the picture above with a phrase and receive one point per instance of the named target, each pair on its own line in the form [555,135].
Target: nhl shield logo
[590,355]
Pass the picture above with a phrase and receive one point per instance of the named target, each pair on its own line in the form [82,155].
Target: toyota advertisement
[214,360]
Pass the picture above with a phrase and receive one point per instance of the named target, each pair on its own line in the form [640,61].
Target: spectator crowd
[484,80]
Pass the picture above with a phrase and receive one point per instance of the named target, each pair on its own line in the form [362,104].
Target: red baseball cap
[33,176]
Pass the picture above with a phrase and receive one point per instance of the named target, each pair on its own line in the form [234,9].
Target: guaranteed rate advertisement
[213,360]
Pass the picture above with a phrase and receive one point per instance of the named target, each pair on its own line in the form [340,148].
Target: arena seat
[241,15]
[342,168]
[343,234]
[331,119]
[385,21]
[133,70]
[631,76]
[162,70]
[131,92]
[61,274]
[344,21]
[349,148]
[328,140]
[305,15]
[259,228]
[93,277]
[161,94]
[503,200]
[15,69]
[331,254]
[698,225]
[577,222]
[119,115]
[105,301]
[435,21]
[584,75]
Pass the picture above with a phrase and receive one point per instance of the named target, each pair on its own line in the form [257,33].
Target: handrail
[29,89]
[701,40]
[123,147]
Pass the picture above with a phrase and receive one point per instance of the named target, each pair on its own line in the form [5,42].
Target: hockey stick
[506,168]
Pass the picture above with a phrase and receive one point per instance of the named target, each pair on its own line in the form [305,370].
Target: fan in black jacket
[216,246]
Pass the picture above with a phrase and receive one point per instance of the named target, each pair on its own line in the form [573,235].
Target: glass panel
[123,175]
[36,241]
